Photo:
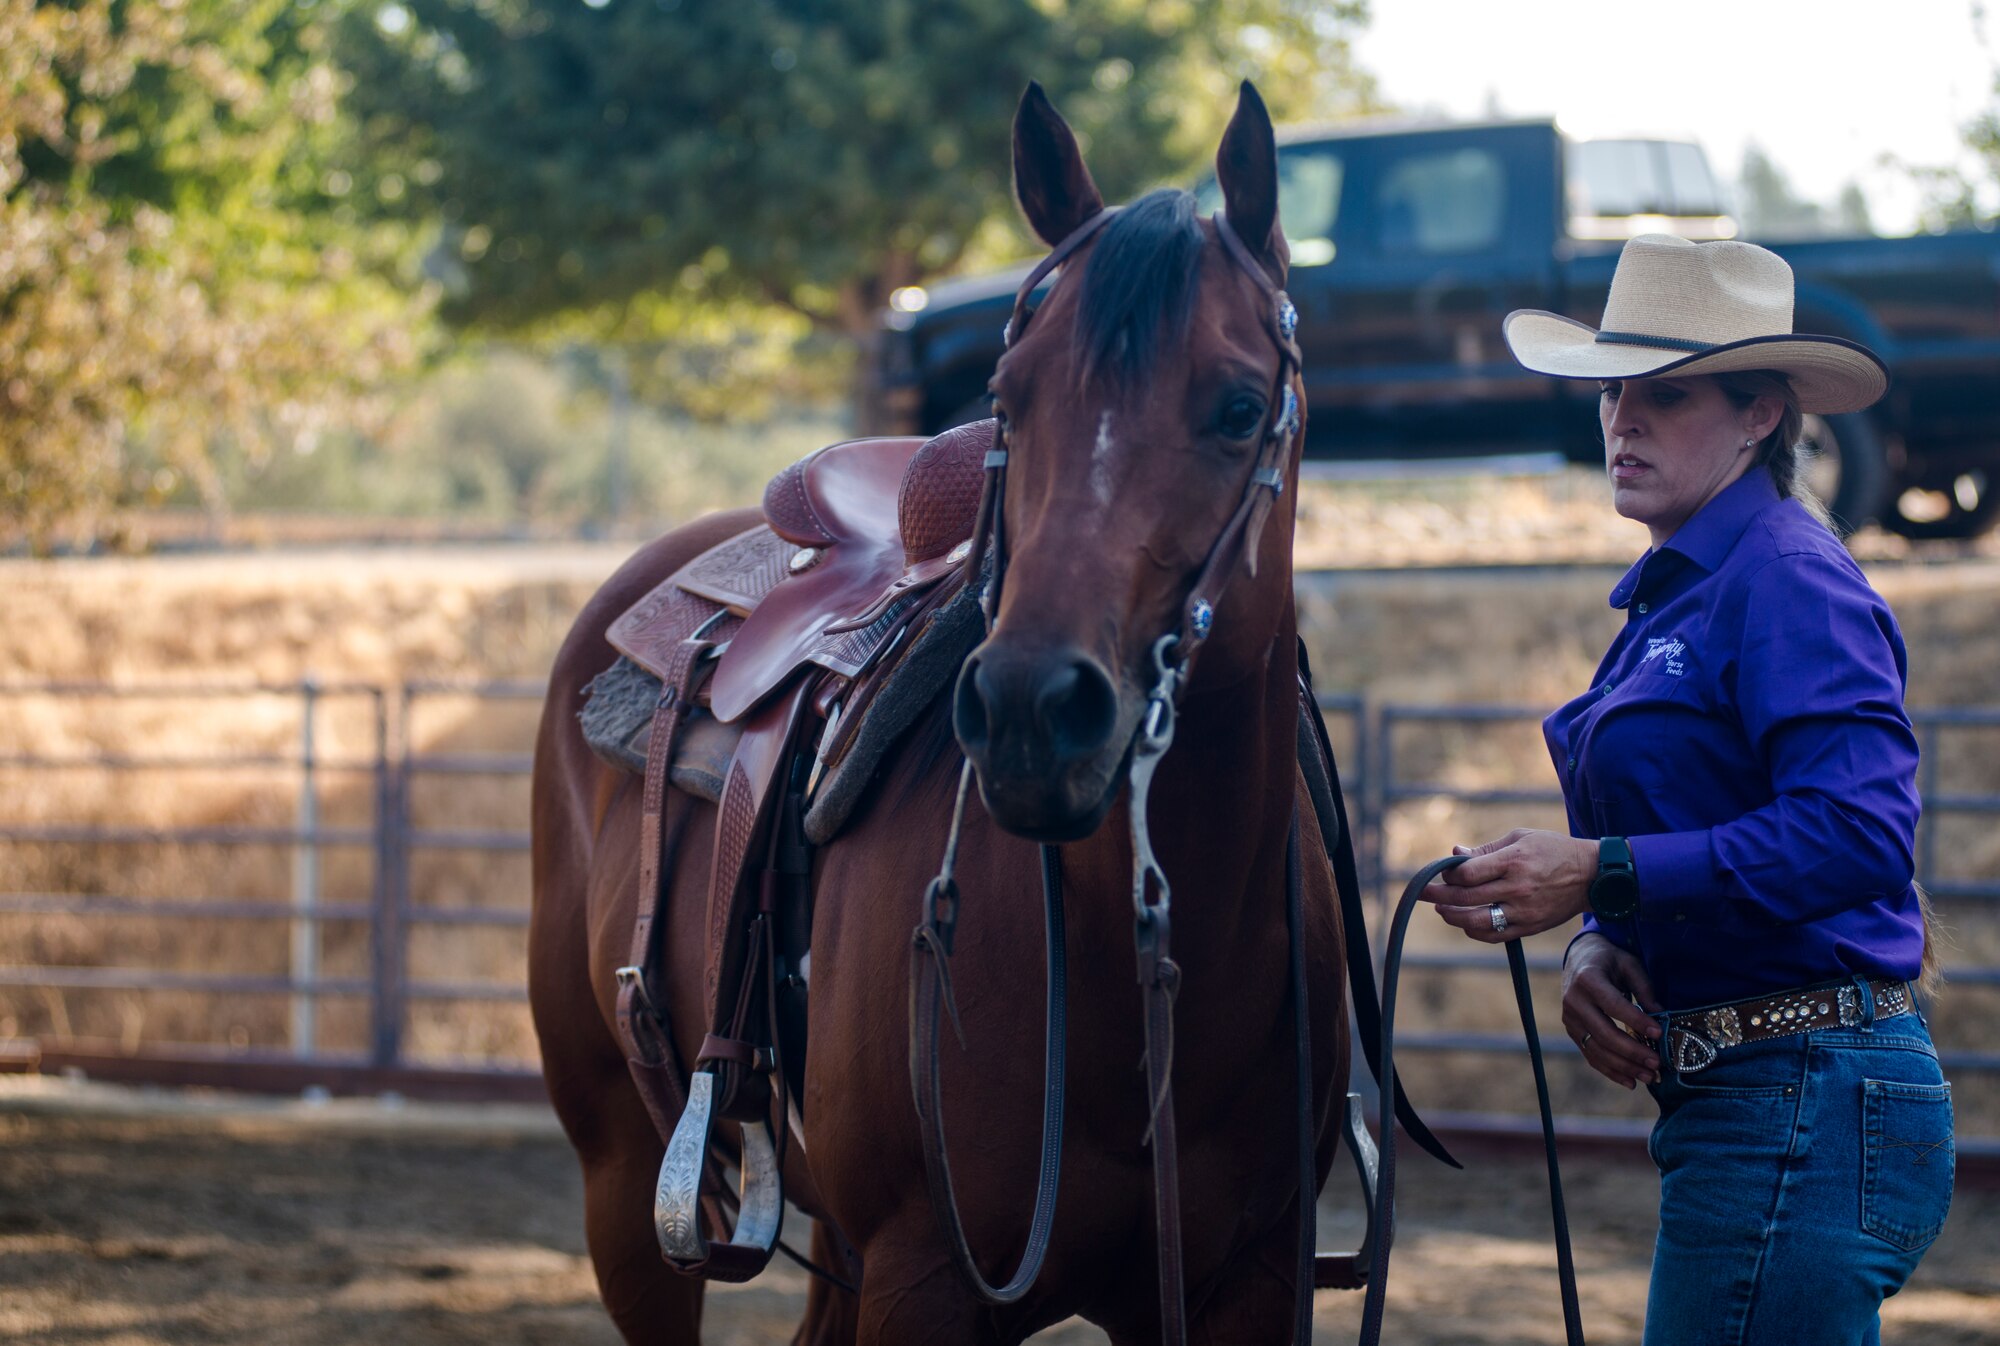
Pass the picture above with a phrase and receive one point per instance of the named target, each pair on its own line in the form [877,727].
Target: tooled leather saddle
[770,675]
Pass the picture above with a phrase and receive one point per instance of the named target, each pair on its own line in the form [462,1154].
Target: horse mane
[1138,284]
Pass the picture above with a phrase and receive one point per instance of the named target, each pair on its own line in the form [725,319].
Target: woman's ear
[1762,418]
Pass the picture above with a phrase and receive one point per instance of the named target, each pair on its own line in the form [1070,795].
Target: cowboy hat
[1682,308]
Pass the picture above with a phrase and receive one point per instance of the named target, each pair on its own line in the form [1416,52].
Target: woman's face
[1672,445]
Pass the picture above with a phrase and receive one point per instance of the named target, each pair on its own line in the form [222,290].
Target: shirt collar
[1707,538]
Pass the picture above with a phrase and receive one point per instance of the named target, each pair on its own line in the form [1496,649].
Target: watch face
[1614,894]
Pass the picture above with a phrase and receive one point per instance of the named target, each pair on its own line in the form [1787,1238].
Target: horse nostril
[1078,706]
[970,701]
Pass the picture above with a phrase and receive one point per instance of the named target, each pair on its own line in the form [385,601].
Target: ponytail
[1782,450]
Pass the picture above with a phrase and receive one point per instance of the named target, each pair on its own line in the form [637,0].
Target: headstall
[1172,658]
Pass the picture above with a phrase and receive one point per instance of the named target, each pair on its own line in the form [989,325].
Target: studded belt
[1695,1037]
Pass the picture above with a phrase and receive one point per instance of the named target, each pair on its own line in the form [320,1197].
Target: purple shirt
[1746,731]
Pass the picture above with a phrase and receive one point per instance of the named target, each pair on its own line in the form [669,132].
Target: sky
[1825,87]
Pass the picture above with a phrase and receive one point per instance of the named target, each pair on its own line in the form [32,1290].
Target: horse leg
[832,1314]
[613,1136]
[649,1303]
[913,1296]
[1254,1301]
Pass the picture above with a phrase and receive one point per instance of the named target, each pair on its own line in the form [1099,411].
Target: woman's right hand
[1600,983]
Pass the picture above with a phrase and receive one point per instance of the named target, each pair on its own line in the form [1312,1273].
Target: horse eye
[1241,417]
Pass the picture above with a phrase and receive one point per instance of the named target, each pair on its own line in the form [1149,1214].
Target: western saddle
[769,675]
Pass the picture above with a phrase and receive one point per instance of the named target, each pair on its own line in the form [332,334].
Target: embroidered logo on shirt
[1671,648]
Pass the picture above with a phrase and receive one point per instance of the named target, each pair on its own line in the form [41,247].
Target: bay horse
[1132,411]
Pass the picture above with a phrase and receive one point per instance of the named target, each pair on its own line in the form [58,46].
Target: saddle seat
[850,531]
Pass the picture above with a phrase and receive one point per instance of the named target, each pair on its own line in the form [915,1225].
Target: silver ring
[1497,916]
[1584,1041]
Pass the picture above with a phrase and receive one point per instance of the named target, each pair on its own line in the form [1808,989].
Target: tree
[1850,212]
[1767,205]
[620,157]
[173,275]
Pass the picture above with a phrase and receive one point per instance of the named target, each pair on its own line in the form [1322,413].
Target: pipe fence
[1396,784]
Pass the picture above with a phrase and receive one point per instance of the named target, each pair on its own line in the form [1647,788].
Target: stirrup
[1349,1271]
[676,1208]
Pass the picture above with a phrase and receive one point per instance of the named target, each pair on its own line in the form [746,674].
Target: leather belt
[1696,1037]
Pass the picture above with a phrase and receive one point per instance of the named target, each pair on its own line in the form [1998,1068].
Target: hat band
[1664,343]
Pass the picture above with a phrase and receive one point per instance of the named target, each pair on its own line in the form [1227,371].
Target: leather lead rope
[1517,966]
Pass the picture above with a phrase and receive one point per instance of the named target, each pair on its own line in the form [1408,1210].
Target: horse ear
[1055,189]
[1247,167]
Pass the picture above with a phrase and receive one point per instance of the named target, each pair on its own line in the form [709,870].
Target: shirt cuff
[1676,874]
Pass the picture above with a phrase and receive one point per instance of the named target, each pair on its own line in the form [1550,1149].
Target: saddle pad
[617,723]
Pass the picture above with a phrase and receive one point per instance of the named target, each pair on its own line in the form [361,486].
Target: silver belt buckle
[1695,1048]
[1850,1007]
[1691,1049]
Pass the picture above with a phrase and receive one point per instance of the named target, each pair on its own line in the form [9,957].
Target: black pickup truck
[1409,245]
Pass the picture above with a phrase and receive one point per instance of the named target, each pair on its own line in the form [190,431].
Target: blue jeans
[1801,1180]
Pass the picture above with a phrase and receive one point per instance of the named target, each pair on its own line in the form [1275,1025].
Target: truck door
[1444,233]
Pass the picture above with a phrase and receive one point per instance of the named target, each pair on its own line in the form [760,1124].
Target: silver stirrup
[676,1200]
[1367,1168]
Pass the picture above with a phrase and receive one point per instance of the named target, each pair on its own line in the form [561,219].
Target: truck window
[1641,177]
[1309,179]
[1621,187]
[1615,177]
[1695,190]
[1439,203]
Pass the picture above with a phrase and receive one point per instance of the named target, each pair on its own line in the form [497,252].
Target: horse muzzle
[1042,729]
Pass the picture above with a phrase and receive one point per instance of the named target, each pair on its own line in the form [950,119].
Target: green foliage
[513,437]
[172,272]
[1769,207]
[621,158]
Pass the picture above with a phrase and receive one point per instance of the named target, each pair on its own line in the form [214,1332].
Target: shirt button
[1572,766]
[1607,688]
[1642,609]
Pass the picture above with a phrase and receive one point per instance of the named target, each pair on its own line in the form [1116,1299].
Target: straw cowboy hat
[1681,308]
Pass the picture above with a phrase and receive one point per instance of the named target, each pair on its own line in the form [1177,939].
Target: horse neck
[1222,799]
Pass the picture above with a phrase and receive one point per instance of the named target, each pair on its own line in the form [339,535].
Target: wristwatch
[1614,893]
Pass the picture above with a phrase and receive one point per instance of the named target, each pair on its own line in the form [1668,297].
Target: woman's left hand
[1537,879]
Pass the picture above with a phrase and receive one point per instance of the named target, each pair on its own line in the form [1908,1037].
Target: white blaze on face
[1100,461]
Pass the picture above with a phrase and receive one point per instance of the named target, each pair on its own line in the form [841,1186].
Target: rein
[1517,968]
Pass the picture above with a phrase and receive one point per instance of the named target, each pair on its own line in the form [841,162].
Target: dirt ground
[136,1219]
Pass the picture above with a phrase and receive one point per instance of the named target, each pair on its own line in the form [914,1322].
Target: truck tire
[1846,468]
[1951,493]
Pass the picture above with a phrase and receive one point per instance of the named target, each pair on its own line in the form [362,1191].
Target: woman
[1741,786]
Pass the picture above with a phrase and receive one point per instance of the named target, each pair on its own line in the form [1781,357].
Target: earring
[1749,443]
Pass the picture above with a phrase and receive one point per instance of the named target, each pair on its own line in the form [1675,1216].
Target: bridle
[1172,657]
